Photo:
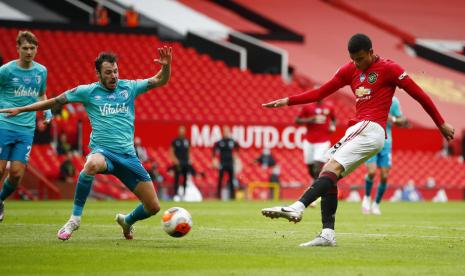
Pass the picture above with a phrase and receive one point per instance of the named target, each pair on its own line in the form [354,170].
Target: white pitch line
[370,235]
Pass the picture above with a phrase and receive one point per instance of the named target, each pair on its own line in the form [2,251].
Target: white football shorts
[360,142]
[315,152]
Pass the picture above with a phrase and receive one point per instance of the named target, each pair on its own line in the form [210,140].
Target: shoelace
[71,225]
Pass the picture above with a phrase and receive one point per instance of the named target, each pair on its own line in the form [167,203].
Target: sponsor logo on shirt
[372,77]
[26,92]
[362,91]
[110,109]
[15,79]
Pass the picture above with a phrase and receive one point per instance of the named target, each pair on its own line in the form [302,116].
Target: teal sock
[83,188]
[368,185]
[380,193]
[139,213]
[7,190]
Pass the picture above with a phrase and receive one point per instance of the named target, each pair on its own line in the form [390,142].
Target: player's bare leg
[95,164]
[15,174]
[149,207]
[320,187]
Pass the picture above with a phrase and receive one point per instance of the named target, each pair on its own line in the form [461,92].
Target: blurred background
[229,58]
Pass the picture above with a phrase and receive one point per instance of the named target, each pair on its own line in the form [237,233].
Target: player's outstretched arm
[420,96]
[312,95]
[163,76]
[42,105]
[277,103]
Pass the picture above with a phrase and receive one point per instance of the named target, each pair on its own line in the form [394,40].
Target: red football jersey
[373,89]
[318,131]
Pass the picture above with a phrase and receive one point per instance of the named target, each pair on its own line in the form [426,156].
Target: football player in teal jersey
[22,82]
[109,104]
[383,161]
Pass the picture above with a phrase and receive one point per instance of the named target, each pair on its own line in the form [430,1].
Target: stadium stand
[202,90]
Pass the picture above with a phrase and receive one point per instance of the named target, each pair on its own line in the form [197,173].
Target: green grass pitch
[232,238]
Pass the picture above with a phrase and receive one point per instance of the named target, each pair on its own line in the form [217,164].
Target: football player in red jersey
[320,122]
[373,81]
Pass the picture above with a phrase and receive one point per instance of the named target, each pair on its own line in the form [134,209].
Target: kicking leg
[149,207]
[327,180]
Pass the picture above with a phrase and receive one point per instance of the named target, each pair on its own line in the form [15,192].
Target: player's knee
[152,208]
[371,175]
[14,179]
[92,167]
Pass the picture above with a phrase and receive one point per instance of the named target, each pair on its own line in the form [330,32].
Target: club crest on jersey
[362,77]
[38,79]
[372,77]
[362,91]
[124,94]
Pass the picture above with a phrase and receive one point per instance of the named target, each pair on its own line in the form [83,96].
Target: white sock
[75,218]
[299,206]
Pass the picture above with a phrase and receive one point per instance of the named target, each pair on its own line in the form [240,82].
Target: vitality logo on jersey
[109,109]
[26,92]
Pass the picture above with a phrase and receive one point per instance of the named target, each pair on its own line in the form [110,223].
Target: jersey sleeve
[78,94]
[43,86]
[402,80]
[339,80]
[140,86]
[3,74]
[398,74]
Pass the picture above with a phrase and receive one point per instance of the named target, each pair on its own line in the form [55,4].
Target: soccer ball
[177,222]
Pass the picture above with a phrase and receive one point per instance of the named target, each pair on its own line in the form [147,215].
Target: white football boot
[67,230]
[288,213]
[375,209]
[326,238]
[128,230]
[366,205]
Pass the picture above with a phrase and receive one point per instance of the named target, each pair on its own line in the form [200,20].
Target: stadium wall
[161,133]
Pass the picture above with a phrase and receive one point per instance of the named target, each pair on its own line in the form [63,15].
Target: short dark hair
[105,56]
[26,36]
[359,42]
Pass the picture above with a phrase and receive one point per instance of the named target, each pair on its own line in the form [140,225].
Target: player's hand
[277,103]
[447,131]
[10,111]
[165,56]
